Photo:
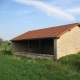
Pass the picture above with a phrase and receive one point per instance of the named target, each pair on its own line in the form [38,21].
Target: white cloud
[74,11]
[48,9]
[65,3]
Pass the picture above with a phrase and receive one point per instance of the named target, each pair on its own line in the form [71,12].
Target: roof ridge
[53,26]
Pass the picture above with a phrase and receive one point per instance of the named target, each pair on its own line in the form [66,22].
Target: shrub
[9,43]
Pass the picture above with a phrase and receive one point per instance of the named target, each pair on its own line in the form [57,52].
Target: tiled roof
[46,32]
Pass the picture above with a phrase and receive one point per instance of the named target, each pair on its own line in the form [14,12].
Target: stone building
[49,43]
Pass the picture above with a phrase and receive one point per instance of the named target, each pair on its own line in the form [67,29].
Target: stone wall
[36,55]
[69,42]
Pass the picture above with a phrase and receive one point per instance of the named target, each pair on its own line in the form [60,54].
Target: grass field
[5,47]
[14,67]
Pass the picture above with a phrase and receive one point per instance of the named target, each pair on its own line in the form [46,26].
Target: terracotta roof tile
[46,33]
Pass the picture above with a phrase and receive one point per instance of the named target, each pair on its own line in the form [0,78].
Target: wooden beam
[28,46]
[39,46]
[55,49]
[19,46]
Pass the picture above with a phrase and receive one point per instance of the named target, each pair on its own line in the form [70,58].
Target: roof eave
[37,38]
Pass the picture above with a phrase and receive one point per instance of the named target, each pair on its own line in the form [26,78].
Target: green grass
[13,67]
[4,47]
[16,69]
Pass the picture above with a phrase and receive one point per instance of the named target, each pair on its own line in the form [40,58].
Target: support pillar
[19,46]
[28,46]
[55,49]
[39,46]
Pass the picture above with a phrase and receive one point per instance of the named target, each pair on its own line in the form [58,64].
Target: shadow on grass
[6,53]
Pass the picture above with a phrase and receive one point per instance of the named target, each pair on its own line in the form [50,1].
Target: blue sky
[19,16]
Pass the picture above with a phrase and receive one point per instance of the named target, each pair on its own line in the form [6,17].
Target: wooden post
[40,46]
[28,46]
[55,49]
[19,46]
[5,47]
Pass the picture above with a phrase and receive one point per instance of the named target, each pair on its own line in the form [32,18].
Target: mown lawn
[13,67]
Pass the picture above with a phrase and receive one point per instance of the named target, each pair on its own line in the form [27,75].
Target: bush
[9,43]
